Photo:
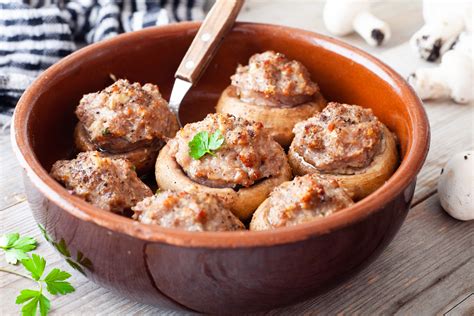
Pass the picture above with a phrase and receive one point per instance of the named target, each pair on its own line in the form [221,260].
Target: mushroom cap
[457,70]
[435,38]
[429,83]
[464,43]
[453,78]
[468,20]
[456,186]
[339,15]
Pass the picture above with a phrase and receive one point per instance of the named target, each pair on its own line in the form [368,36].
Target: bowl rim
[416,152]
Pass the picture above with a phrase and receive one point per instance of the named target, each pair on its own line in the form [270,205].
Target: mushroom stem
[372,29]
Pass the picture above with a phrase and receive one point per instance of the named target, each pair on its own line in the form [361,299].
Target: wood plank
[422,303]
[451,132]
[11,185]
[464,307]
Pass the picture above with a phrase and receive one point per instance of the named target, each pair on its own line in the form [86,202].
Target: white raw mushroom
[342,17]
[456,186]
[444,21]
[452,78]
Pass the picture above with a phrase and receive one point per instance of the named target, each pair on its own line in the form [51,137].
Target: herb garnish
[203,144]
[16,247]
[54,282]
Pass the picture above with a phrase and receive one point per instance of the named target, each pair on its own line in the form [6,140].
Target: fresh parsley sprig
[16,247]
[54,282]
[203,143]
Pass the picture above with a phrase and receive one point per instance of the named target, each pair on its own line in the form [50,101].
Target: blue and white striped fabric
[34,34]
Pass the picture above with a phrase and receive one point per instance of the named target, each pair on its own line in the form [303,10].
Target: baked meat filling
[108,183]
[271,79]
[196,211]
[305,199]
[125,116]
[247,155]
[340,139]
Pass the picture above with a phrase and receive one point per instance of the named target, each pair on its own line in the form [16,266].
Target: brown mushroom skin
[278,120]
[364,181]
[243,202]
[143,158]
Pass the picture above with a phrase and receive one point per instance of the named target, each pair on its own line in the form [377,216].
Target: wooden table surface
[427,269]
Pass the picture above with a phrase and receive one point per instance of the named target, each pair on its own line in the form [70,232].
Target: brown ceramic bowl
[225,271]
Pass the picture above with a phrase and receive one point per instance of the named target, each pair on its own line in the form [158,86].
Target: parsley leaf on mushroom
[203,143]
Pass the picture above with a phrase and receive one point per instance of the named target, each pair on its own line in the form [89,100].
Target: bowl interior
[45,117]
[343,76]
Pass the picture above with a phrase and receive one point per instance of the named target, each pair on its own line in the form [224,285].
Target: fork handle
[215,26]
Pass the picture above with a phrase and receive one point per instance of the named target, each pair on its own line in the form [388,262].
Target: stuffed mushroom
[228,156]
[109,183]
[125,120]
[192,211]
[347,143]
[274,90]
[301,200]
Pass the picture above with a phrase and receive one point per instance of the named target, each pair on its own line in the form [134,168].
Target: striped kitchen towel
[34,34]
